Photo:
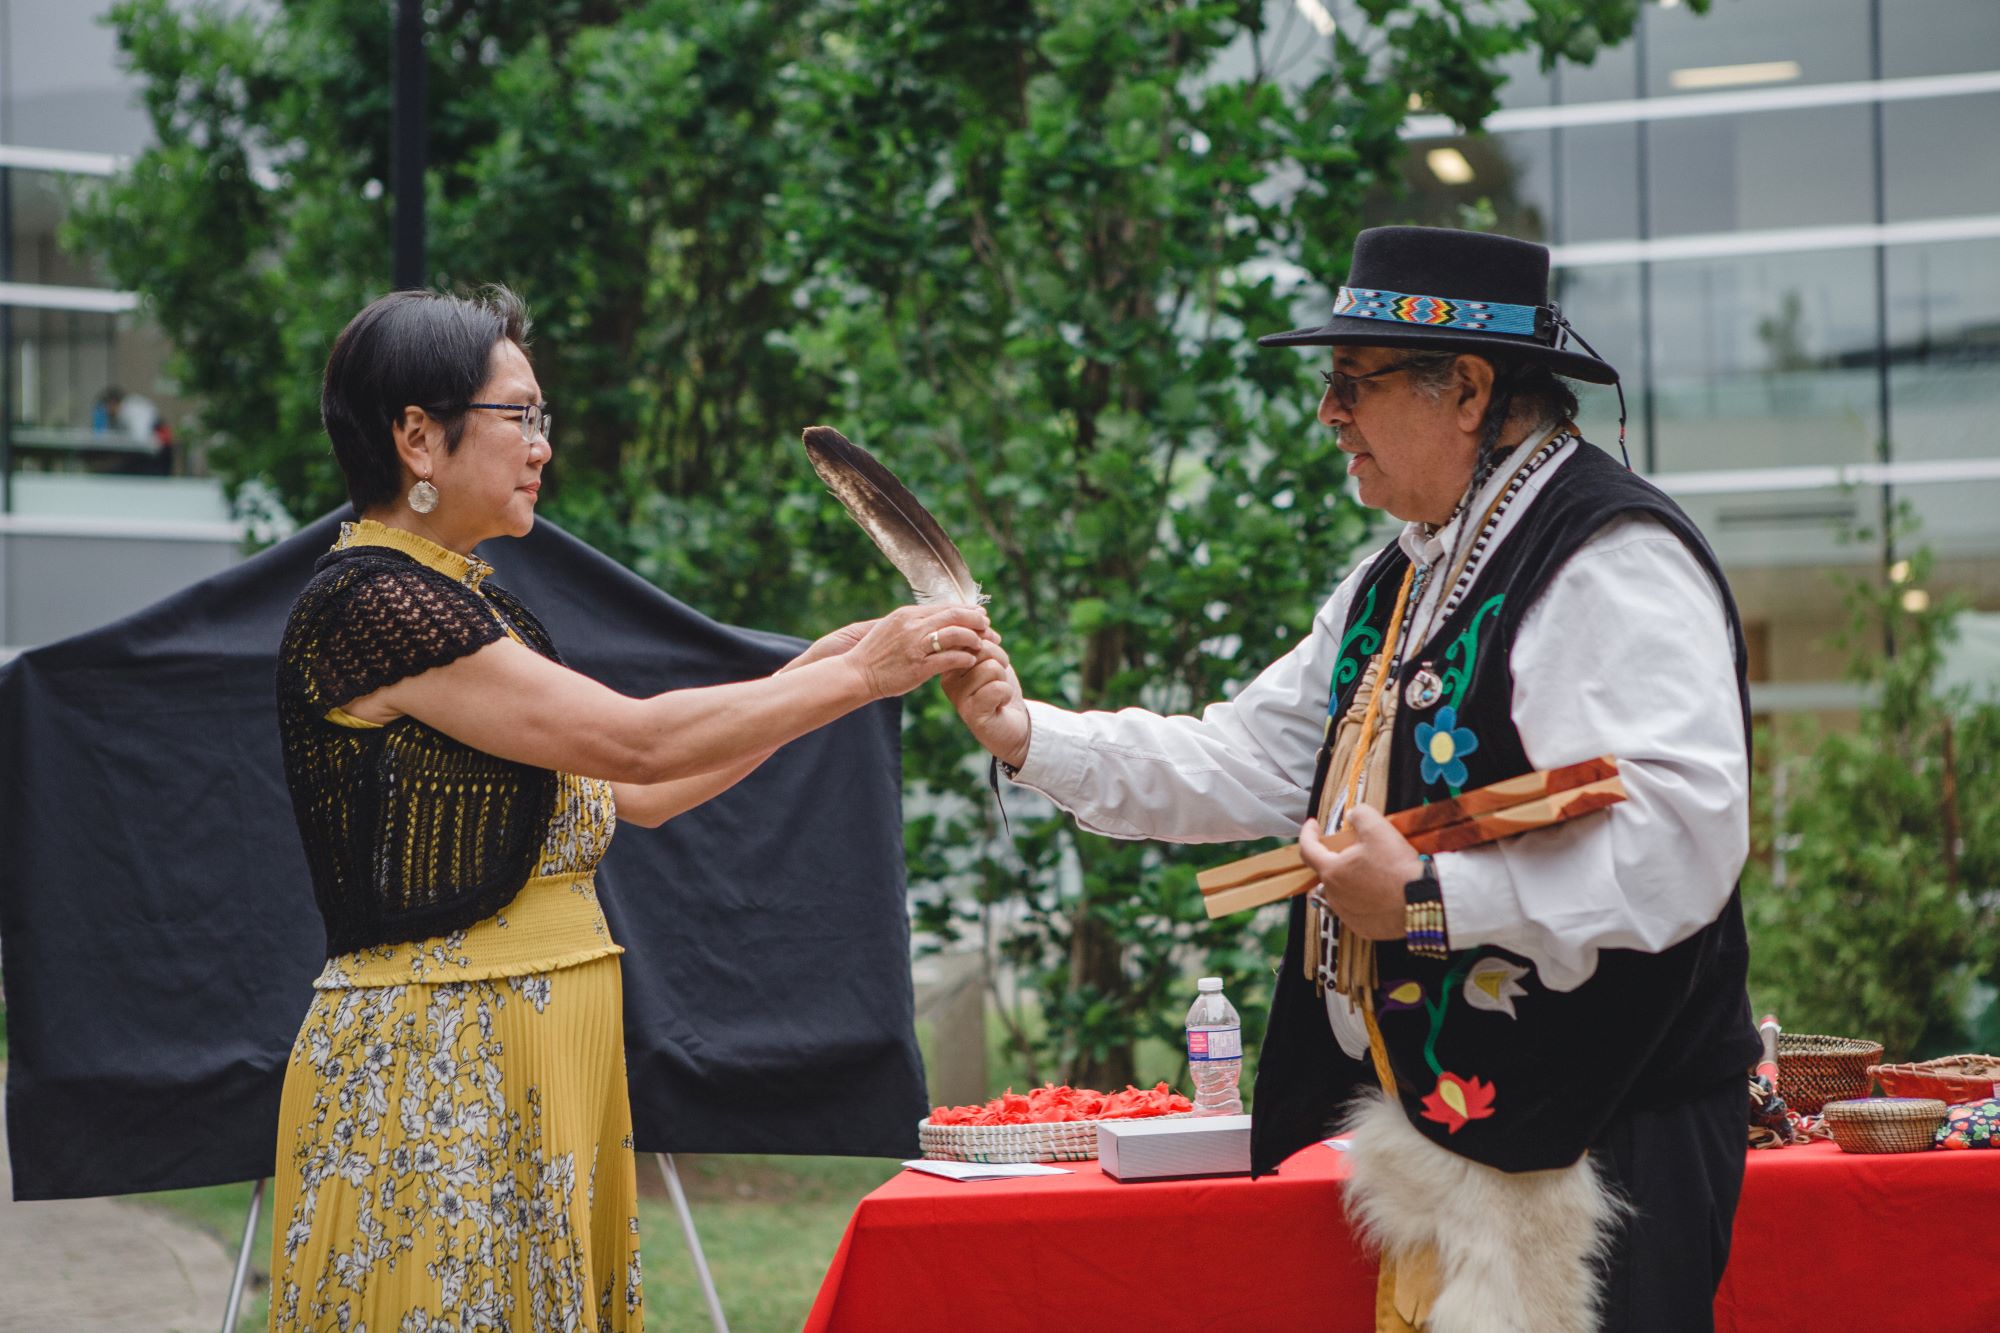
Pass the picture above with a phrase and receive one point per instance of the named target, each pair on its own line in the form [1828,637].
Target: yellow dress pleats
[455,1139]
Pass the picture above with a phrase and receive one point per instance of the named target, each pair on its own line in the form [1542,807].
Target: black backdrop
[159,939]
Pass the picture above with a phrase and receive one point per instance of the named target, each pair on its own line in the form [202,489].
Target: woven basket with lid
[1814,1070]
[1040,1141]
[1885,1124]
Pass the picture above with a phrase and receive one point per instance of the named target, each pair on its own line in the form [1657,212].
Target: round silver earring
[423,497]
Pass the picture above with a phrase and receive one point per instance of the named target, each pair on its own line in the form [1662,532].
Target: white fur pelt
[1517,1253]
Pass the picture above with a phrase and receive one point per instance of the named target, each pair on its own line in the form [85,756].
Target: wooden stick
[1287,881]
[1501,795]
[1421,818]
[1244,897]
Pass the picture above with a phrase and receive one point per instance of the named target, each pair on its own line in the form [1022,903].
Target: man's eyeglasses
[535,418]
[1344,386]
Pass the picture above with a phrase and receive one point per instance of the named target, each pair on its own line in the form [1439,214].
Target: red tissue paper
[1053,1104]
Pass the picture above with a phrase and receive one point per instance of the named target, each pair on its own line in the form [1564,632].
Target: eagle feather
[914,541]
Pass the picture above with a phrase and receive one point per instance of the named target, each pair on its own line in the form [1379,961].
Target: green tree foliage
[1876,915]
[615,163]
[1018,248]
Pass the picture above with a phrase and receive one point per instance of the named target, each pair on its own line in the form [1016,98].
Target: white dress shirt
[1626,653]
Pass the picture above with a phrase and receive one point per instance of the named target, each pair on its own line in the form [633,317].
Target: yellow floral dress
[454,1137]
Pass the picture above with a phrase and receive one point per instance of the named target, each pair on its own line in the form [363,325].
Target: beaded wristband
[1423,914]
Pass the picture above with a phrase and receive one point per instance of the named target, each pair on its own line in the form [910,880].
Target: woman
[455,1143]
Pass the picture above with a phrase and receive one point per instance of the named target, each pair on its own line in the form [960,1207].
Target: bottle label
[1216,1044]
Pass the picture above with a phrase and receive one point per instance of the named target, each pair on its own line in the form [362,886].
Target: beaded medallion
[1425,688]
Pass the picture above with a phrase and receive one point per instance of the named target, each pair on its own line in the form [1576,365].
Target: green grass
[769,1226]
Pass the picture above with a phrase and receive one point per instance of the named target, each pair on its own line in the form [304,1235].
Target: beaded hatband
[1525,321]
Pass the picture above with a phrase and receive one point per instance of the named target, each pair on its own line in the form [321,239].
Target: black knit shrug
[407,832]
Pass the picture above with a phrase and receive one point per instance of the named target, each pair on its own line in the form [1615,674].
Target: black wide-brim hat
[1436,289]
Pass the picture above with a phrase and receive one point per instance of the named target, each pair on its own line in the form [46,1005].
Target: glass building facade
[1781,221]
[104,502]
[84,385]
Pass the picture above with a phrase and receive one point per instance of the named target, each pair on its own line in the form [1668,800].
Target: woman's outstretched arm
[654,805]
[510,701]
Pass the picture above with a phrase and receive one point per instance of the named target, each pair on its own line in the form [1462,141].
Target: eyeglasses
[1343,385]
[535,418]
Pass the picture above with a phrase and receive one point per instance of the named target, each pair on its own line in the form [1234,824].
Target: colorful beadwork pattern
[1437,311]
[1424,929]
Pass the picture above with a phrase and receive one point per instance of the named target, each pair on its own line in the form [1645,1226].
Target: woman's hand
[911,644]
[831,645]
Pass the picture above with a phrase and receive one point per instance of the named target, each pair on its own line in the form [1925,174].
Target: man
[1558,1021]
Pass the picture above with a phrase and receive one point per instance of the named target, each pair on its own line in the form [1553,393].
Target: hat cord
[1568,331]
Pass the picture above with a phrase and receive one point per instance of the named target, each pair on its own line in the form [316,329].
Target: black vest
[1489,1062]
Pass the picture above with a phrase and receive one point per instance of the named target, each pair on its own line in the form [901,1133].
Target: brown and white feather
[914,541]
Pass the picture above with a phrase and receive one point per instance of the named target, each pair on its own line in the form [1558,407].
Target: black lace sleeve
[522,619]
[385,622]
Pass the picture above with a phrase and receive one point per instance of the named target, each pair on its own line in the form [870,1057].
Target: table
[1824,1240]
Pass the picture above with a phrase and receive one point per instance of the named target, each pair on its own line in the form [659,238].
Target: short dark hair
[422,349]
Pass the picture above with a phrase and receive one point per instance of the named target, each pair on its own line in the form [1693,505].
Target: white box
[1202,1145]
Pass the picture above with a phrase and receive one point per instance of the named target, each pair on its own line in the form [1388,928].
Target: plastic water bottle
[1215,1050]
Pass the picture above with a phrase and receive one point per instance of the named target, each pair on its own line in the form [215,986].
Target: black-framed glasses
[1343,386]
[535,418]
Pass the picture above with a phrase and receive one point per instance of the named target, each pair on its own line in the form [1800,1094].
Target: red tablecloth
[1825,1240]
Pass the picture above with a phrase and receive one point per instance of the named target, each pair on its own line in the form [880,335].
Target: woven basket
[1062,1141]
[1814,1070]
[1885,1124]
[1952,1079]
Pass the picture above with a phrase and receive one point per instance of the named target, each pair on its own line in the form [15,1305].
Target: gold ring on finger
[936,647]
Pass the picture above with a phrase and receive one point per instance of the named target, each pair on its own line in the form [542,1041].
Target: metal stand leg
[673,1179]
[243,1260]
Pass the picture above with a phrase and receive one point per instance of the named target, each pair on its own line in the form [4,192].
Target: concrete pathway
[105,1266]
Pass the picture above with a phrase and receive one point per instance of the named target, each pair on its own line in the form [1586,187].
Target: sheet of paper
[986,1170]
